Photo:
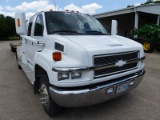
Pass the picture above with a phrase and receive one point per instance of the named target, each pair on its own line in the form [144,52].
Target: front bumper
[90,95]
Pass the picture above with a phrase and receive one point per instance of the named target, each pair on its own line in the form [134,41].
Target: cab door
[35,34]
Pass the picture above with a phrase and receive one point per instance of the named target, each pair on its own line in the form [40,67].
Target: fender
[42,61]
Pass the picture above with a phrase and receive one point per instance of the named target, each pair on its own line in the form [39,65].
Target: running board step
[29,73]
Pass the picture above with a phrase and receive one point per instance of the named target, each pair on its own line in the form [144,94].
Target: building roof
[149,8]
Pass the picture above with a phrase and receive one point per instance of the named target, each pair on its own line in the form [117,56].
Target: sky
[30,7]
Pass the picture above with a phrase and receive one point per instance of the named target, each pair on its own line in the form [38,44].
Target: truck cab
[72,61]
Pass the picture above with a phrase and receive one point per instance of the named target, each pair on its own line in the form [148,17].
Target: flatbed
[14,46]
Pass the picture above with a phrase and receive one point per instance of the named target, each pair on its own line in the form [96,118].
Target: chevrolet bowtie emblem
[120,63]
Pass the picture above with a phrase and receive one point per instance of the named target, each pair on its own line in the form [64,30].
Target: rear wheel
[148,46]
[50,107]
[13,49]
[19,67]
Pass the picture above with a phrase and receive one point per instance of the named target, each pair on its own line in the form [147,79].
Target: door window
[39,26]
[30,27]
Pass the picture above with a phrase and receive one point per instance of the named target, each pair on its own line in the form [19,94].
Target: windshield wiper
[95,32]
[67,31]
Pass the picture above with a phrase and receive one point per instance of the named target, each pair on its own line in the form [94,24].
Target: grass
[14,38]
[9,38]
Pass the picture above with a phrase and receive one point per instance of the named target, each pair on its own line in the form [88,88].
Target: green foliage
[148,32]
[7,27]
[151,1]
[148,2]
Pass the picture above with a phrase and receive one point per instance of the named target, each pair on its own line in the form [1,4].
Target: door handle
[40,43]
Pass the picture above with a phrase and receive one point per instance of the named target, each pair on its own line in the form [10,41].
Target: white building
[130,18]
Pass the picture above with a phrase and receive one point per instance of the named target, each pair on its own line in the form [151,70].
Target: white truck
[72,61]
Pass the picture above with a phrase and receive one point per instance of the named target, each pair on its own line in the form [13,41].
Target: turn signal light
[57,56]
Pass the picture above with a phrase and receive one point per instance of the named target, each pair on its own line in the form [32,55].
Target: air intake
[59,47]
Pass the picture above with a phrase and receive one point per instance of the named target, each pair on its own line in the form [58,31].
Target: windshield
[73,23]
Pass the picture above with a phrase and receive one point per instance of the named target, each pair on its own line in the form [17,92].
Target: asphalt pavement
[17,101]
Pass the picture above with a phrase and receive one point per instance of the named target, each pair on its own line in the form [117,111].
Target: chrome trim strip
[112,54]
[113,73]
[113,64]
[96,67]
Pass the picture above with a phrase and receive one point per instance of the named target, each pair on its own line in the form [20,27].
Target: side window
[38,31]
[30,27]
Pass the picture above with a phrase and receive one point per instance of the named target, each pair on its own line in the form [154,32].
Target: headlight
[75,74]
[63,75]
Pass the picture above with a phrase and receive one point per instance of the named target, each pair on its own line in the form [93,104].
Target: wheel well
[39,71]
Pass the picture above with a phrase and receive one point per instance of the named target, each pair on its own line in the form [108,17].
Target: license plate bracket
[122,87]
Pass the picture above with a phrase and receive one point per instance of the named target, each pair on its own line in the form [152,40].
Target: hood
[88,46]
[105,44]
[108,42]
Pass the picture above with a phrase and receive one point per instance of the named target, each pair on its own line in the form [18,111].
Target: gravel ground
[17,101]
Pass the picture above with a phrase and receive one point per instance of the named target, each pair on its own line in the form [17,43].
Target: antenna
[55,5]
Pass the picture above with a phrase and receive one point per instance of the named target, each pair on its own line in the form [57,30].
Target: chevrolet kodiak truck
[72,61]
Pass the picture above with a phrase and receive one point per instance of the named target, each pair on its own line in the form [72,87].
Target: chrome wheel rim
[44,96]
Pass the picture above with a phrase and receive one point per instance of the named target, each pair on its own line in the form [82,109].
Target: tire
[13,49]
[19,67]
[148,46]
[50,107]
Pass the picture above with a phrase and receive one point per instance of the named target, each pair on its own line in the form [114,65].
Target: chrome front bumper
[90,95]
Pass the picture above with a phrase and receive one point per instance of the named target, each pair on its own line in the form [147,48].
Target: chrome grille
[113,59]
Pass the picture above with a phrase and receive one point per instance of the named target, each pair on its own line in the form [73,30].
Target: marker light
[18,23]
[57,56]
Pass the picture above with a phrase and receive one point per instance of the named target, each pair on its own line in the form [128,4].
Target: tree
[7,27]
[3,26]
[150,35]
[148,32]
[11,30]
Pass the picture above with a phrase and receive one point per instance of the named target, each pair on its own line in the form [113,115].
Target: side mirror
[20,22]
[114,29]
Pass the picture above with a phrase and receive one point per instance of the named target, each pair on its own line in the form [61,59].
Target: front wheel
[50,107]
[148,46]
